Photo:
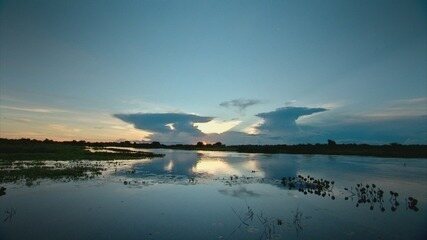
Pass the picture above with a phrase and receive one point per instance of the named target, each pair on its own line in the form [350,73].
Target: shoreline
[16,149]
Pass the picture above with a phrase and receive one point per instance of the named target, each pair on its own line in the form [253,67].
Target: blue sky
[84,69]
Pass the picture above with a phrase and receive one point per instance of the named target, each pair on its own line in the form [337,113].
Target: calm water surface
[220,195]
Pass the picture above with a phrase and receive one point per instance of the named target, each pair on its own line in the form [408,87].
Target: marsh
[220,195]
[213,119]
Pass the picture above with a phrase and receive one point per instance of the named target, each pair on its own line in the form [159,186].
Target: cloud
[253,128]
[240,104]
[404,122]
[283,120]
[165,123]
[216,126]
[402,108]
[63,128]
[34,110]
[284,126]
[411,129]
[290,102]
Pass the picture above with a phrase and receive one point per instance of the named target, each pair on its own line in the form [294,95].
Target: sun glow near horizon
[216,126]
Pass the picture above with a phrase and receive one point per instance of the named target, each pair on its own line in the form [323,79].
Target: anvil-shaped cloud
[183,127]
[283,120]
[163,123]
[283,125]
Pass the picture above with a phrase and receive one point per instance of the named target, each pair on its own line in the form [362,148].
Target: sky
[239,72]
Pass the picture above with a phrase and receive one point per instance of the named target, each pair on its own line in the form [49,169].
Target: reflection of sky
[220,167]
[208,164]
[205,211]
[349,169]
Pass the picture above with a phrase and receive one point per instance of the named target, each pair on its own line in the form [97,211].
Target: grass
[30,174]
[17,151]
[25,160]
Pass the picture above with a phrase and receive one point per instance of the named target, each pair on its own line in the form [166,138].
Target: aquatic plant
[29,173]
[412,204]
[2,191]
[9,214]
[298,222]
[320,187]
[373,196]
[363,194]
[271,227]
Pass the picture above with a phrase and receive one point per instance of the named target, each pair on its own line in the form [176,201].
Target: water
[190,195]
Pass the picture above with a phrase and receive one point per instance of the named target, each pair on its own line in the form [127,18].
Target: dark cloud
[283,120]
[157,122]
[278,126]
[240,104]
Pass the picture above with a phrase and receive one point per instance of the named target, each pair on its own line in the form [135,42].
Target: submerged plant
[298,222]
[270,226]
[9,214]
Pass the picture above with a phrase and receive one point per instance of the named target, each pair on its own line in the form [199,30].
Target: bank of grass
[30,174]
[25,160]
[32,151]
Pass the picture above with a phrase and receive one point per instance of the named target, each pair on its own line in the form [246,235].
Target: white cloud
[35,110]
[217,126]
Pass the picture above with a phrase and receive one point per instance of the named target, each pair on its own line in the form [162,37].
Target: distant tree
[156,144]
[200,144]
[331,142]
[217,144]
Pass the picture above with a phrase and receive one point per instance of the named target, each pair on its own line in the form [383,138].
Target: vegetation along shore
[27,149]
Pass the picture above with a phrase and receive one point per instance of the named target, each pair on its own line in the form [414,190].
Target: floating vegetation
[192,180]
[373,196]
[2,191]
[412,204]
[393,200]
[27,160]
[310,185]
[363,194]
[30,171]
[368,194]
